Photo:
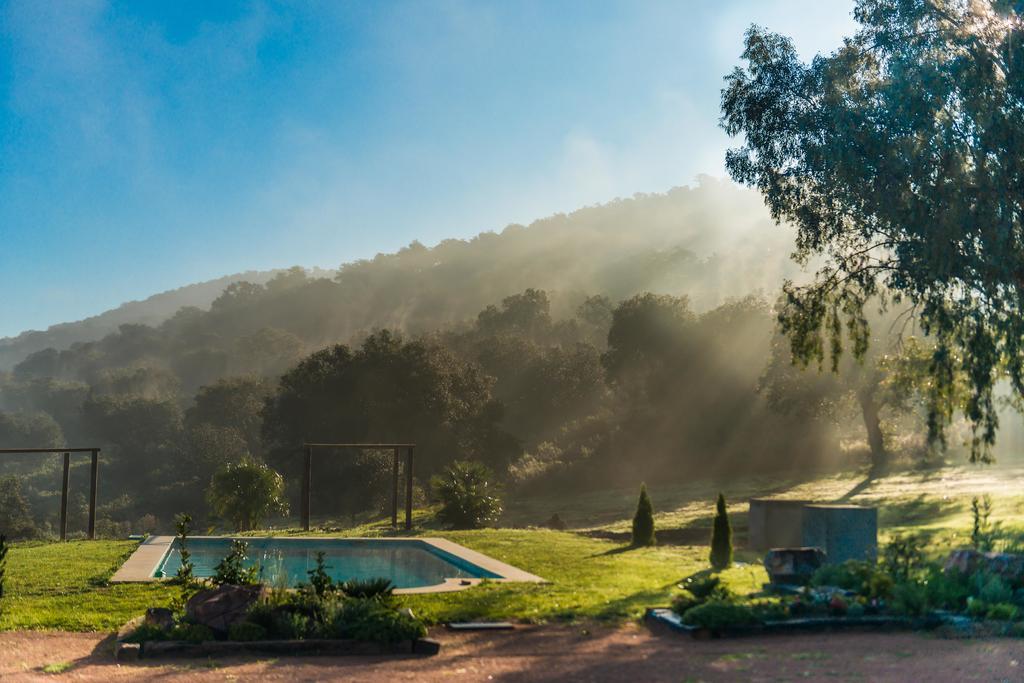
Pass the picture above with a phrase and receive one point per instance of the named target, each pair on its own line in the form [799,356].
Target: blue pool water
[408,563]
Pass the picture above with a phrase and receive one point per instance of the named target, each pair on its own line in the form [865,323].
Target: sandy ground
[630,653]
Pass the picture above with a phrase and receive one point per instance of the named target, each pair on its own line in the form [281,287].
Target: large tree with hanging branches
[900,160]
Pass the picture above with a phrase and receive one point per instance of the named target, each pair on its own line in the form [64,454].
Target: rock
[129,628]
[127,652]
[219,608]
[160,617]
[793,565]
[1009,566]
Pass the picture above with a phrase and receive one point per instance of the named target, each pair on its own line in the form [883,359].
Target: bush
[231,571]
[643,520]
[374,589]
[146,632]
[1002,611]
[368,619]
[903,556]
[246,493]
[721,537]
[993,589]
[910,599]
[183,527]
[705,587]
[684,601]
[469,499]
[246,631]
[718,614]
[319,579]
[864,578]
[947,590]
[192,633]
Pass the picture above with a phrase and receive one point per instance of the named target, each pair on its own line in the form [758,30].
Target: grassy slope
[592,574]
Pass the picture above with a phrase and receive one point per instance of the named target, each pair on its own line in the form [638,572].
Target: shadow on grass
[858,489]
[916,512]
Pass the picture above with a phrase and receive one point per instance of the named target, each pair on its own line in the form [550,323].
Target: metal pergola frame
[94,481]
[307,480]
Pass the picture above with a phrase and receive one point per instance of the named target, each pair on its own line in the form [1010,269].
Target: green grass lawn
[592,575]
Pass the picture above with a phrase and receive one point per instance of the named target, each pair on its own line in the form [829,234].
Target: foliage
[368,619]
[468,495]
[1002,612]
[246,631]
[903,556]
[319,579]
[721,537]
[684,600]
[982,532]
[865,578]
[909,598]
[183,527]
[247,493]
[232,570]
[379,588]
[643,520]
[718,614]
[704,586]
[867,151]
[15,517]
[191,633]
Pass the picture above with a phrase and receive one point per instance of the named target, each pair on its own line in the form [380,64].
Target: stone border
[143,563]
[668,617]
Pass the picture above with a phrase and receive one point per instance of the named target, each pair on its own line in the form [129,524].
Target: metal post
[408,489]
[64,499]
[94,480]
[306,484]
[394,491]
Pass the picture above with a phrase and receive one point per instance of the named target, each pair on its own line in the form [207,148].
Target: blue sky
[145,145]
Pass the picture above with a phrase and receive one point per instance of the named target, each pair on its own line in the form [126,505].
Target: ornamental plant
[721,538]
[468,495]
[643,520]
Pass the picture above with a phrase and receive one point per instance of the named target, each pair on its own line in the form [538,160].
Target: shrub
[379,588]
[909,598]
[192,633]
[246,493]
[993,589]
[15,515]
[1002,611]
[367,619]
[982,534]
[717,614]
[643,520]
[684,601]
[146,632]
[469,498]
[183,526]
[864,578]
[705,587]
[231,570]
[319,579]
[721,537]
[947,590]
[903,556]
[246,631]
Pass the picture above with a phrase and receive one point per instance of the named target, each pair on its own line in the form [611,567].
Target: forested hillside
[634,340]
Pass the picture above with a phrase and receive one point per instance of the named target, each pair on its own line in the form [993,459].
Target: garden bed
[304,647]
[667,617]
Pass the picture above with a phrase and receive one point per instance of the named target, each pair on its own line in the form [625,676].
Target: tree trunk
[869,408]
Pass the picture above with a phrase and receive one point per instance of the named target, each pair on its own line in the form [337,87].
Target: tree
[898,159]
[234,403]
[468,495]
[15,517]
[246,493]
[721,537]
[387,390]
[643,520]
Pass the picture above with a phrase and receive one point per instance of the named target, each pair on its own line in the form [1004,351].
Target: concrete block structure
[775,523]
[844,532]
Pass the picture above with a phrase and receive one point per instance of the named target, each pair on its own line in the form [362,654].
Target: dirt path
[630,654]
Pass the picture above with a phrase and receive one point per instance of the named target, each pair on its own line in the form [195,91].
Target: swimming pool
[412,565]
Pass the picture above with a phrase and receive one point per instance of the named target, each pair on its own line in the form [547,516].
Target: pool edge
[141,566]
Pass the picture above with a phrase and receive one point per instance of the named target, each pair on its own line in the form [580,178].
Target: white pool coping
[141,567]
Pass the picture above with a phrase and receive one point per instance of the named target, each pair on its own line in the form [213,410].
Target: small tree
[721,538]
[643,520]
[232,570]
[468,496]
[246,493]
[183,526]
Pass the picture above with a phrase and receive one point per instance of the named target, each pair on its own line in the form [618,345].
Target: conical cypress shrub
[643,520]
[721,538]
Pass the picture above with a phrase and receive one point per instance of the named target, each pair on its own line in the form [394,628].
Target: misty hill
[711,243]
[150,311]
